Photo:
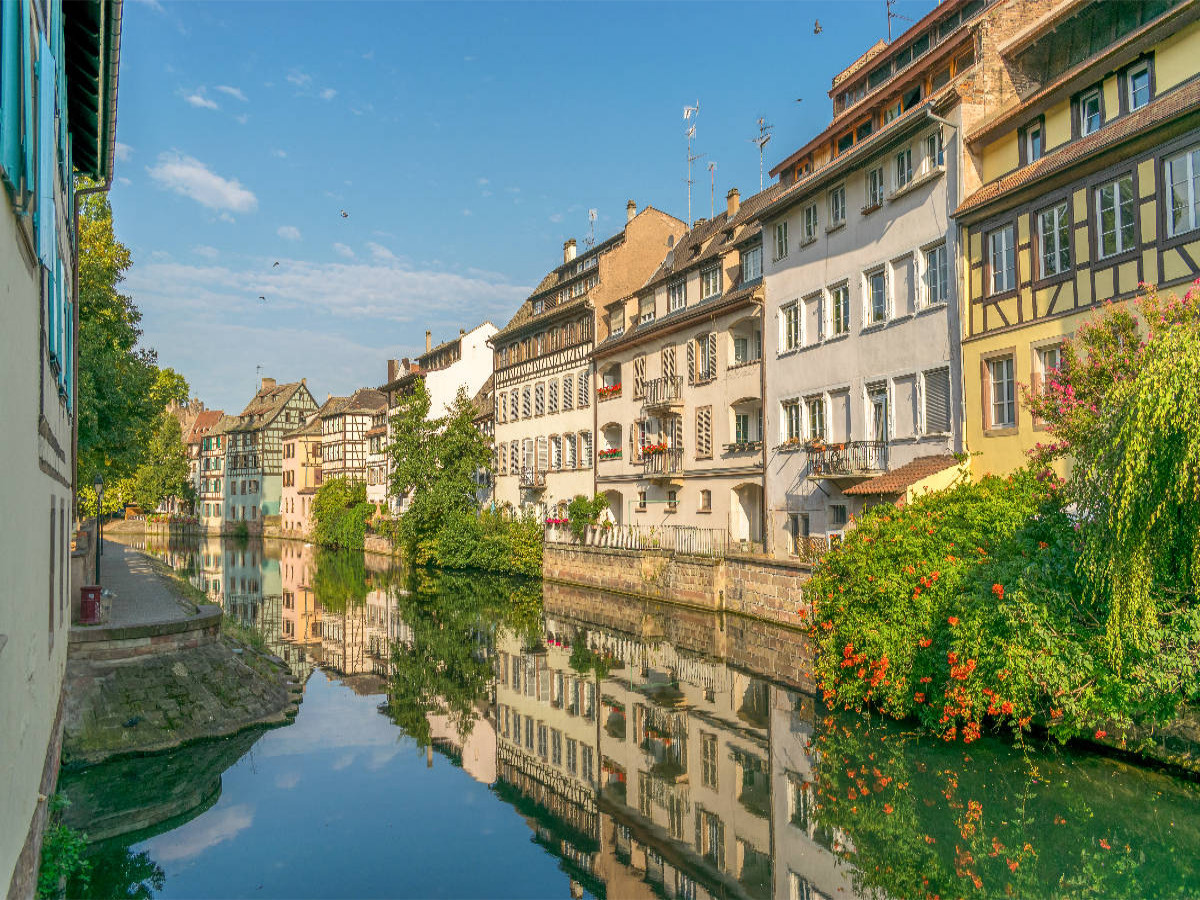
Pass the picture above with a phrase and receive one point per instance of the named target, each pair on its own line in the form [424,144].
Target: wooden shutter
[703,432]
[639,377]
[677,432]
[668,362]
[712,355]
[937,400]
[691,362]
[543,454]
[568,393]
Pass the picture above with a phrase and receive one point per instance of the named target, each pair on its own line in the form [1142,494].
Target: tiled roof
[224,425]
[414,371]
[203,424]
[375,432]
[701,310]
[897,481]
[485,401]
[366,400]
[1181,101]
[266,405]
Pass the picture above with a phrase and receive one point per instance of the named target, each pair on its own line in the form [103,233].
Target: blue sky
[465,141]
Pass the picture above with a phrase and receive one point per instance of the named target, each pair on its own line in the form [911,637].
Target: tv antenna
[764,138]
[689,113]
[591,238]
[712,203]
[893,15]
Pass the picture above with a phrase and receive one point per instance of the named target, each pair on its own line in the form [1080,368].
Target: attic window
[538,306]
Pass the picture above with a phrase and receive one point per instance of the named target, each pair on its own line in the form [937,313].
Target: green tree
[1126,409]
[164,470]
[340,513]
[118,403]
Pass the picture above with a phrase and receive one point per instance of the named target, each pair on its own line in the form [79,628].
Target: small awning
[93,49]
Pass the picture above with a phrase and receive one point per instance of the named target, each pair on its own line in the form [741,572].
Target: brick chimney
[268,383]
[569,250]
[733,202]
[630,211]
[428,341]
[393,369]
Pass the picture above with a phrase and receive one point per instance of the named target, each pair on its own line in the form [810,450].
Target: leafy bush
[340,513]
[490,542]
[63,856]
[582,513]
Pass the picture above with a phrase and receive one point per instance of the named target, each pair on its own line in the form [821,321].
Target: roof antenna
[712,203]
[894,15]
[688,113]
[591,238]
[764,138]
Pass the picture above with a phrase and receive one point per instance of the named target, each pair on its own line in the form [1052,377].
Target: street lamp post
[98,484]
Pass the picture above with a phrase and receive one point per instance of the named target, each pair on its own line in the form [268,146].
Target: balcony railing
[533,478]
[680,539]
[855,459]
[809,548]
[663,463]
[660,392]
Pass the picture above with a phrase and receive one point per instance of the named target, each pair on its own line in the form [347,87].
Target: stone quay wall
[752,586]
[131,642]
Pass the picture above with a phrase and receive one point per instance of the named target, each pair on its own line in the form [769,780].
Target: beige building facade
[679,384]
[544,394]
[302,476]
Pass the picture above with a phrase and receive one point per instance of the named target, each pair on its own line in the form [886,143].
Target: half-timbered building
[344,428]
[1086,171]
[545,423]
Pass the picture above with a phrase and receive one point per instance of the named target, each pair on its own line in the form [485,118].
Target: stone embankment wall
[754,586]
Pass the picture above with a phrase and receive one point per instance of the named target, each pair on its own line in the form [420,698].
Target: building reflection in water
[631,737]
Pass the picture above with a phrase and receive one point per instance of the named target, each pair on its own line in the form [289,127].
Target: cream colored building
[679,381]
[545,425]
[58,80]
[863,366]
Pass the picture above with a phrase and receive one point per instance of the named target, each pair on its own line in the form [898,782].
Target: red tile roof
[897,481]
[204,421]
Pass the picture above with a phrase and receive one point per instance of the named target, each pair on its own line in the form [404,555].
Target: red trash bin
[89,604]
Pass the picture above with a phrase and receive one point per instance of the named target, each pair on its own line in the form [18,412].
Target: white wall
[470,371]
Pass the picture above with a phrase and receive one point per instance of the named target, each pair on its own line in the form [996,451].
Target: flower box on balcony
[653,449]
[605,391]
[614,453]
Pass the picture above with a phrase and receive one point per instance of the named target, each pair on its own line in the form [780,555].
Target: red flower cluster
[998,590]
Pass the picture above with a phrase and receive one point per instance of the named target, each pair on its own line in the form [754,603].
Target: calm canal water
[478,737]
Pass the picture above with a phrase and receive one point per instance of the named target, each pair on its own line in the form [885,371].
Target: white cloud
[123,152]
[153,4]
[190,840]
[557,217]
[288,232]
[188,176]
[380,252]
[199,101]
[206,251]
[298,78]
[327,94]
[279,154]
[344,251]
[232,92]
[226,217]
[482,181]
[467,212]
[242,119]
[123,181]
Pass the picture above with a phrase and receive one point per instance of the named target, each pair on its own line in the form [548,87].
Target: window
[542,747]
[586,758]
[875,187]
[840,302]
[798,529]
[1054,239]
[672,500]
[816,418]
[706,501]
[937,278]
[703,432]
[1050,360]
[708,760]
[1034,143]
[741,428]
[646,310]
[1004,392]
[568,394]
[781,240]
[838,515]
[904,171]
[706,357]
[1183,180]
[1138,86]
[539,399]
[1002,259]
[877,406]
[1114,206]
[837,206]
[747,348]
[556,743]
[877,297]
[552,397]
[710,282]
[641,499]
[584,389]
[791,420]
[572,755]
[538,306]
[810,223]
[616,322]
[937,401]
[1091,116]
[752,264]
[934,153]
[677,295]
[526,402]
[585,449]
[791,327]
[639,377]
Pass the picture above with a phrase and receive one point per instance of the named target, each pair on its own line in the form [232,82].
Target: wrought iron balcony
[853,459]
[662,393]
[662,463]
[533,478]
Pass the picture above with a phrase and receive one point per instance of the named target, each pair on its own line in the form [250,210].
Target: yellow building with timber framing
[1087,183]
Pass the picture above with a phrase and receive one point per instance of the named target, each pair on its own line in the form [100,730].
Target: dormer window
[539,306]
[710,282]
[676,295]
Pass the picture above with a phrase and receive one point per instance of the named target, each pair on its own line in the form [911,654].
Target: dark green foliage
[582,512]
[340,513]
[164,469]
[488,541]
[63,856]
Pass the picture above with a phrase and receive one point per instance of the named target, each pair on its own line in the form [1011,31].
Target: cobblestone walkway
[140,595]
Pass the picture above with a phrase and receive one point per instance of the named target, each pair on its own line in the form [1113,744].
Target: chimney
[268,383]
[304,381]
[733,202]
[428,341]
[630,211]
[404,367]
[393,369]
[569,250]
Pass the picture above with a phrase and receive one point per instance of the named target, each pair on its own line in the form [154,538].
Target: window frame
[1010,229]
[991,423]
[781,240]
[752,253]
[903,167]
[1125,89]
[812,223]
[837,206]
[679,284]
[876,188]
[870,319]
[1097,223]
[839,309]
[1080,117]
[789,325]
[1038,127]
[1063,224]
[714,272]
[1190,154]
[944,285]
